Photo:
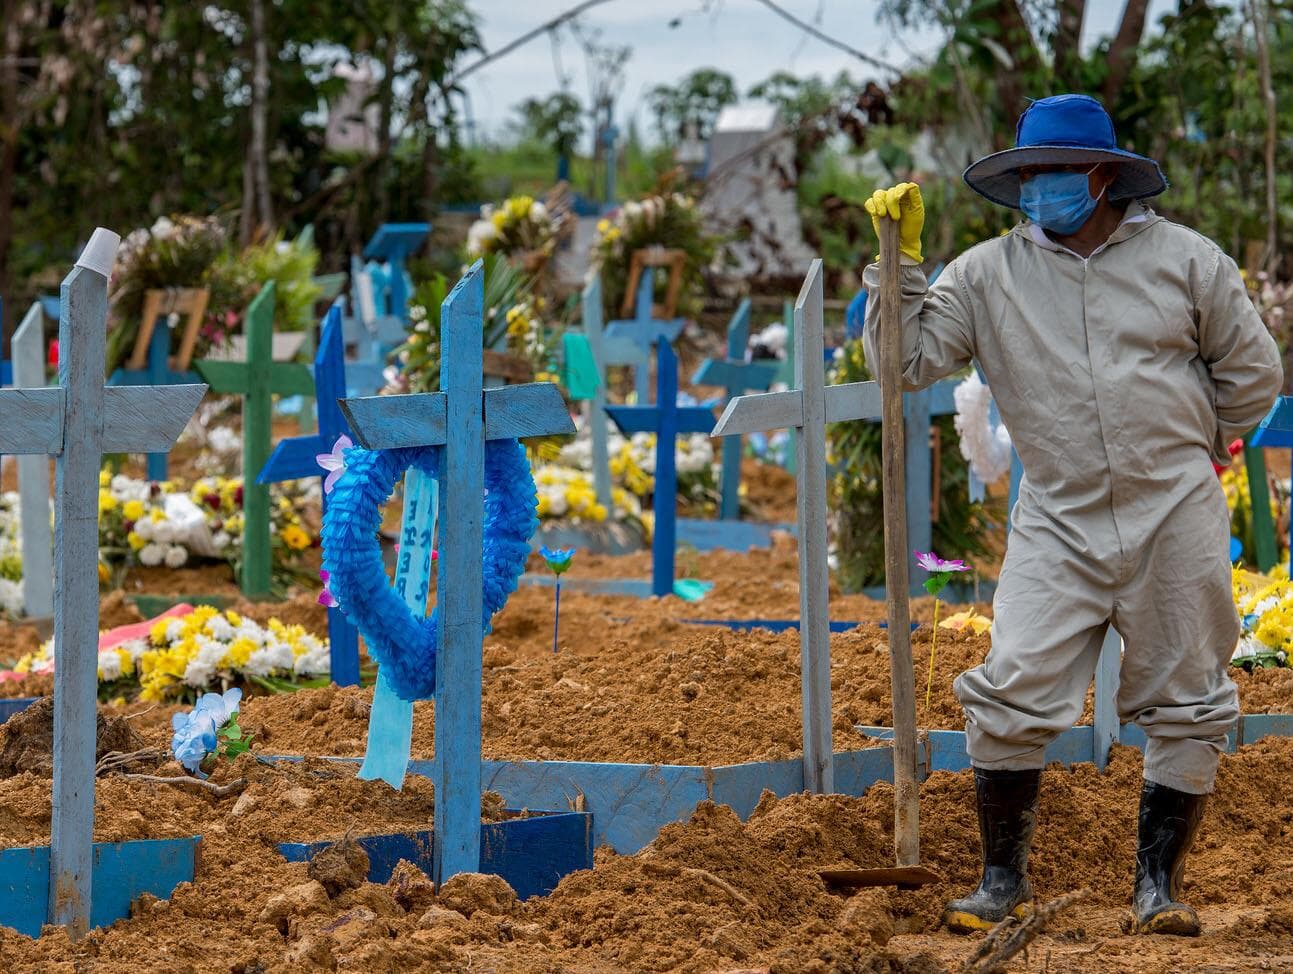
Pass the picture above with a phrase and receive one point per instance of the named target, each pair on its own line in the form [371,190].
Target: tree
[693,104]
[557,121]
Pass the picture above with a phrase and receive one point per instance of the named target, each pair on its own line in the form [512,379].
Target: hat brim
[996,177]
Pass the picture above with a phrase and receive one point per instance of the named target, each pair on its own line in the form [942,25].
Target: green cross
[257,380]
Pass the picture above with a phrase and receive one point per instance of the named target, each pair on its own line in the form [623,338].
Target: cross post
[156,371]
[736,376]
[257,381]
[1275,430]
[6,366]
[462,417]
[786,374]
[295,458]
[372,335]
[666,420]
[79,420]
[28,350]
[645,331]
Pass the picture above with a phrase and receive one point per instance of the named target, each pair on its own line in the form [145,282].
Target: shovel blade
[904,877]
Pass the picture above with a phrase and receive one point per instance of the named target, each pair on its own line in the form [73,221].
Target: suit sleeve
[937,324]
[1242,357]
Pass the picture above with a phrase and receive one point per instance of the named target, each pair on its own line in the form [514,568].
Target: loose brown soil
[710,895]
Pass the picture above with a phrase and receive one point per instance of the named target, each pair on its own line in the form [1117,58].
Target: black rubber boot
[1007,803]
[1169,821]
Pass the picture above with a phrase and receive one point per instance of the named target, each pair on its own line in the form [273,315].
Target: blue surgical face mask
[1059,201]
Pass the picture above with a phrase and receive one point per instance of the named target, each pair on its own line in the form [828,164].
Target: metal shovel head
[904,877]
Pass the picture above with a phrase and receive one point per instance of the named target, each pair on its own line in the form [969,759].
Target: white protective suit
[1120,377]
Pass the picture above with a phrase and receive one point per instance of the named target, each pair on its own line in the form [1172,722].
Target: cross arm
[291,379]
[529,409]
[646,419]
[734,374]
[147,419]
[785,410]
[628,327]
[33,420]
[223,377]
[1277,428]
[293,459]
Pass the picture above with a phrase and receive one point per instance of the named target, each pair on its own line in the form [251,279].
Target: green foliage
[556,121]
[232,740]
[289,265]
[693,103]
[856,492]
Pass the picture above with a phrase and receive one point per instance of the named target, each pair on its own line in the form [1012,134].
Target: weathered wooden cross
[737,376]
[295,458]
[607,351]
[392,244]
[79,420]
[666,419]
[150,365]
[462,418]
[371,335]
[257,381]
[807,407]
[28,350]
[1275,430]
[645,331]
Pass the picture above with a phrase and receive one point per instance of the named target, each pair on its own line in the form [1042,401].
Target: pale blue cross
[645,331]
[1276,430]
[392,244]
[78,421]
[295,458]
[737,376]
[461,418]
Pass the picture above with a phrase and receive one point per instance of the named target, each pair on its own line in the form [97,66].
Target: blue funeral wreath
[401,642]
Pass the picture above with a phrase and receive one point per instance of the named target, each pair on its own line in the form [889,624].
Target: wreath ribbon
[404,644]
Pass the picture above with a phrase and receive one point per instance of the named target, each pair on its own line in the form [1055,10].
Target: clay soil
[710,895]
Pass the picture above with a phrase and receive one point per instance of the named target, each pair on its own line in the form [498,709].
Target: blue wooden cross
[461,417]
[666,420]
[645,331]
[392,243]
[1276,430]
[737,376]
[157,372]
[372,335]
[79,420]
[607,351]
[28,350]
[295,458]
[6,367]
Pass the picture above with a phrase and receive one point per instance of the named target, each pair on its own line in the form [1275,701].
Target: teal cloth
[579,368]
[691,589]
[390,723]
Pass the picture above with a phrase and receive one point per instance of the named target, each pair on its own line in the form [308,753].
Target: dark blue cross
[736,376]
[392,243]
[6,367]
[666,420]
[1276,430]
[294,459]
[645,331]
[157,373]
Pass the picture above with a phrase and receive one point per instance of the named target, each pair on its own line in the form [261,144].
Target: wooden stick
[1010,936]
[906,786]
[184,781]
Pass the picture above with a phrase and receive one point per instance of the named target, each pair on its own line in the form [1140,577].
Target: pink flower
[933,564]
[334,462]
[326,598]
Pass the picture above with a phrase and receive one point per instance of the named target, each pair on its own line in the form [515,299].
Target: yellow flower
[295,538]
[156,515]
[499,219]
[603,225]
[234,618]
[133,510]
[106,501]
[969,619]
[598,512]
[135,541]
[105,478]
[104,575]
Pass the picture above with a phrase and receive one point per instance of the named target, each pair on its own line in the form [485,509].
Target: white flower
[163,532]
[773,338]
[220,540]
[223,439]
[176,556]
[479,234]
[632,210]
[220,628]
[174,631]
[109,665]
[151,555]
[538,212]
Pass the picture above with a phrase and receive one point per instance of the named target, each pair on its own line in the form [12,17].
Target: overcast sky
[741,37]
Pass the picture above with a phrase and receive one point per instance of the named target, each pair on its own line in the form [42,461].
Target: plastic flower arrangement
[1265,606]
[940,572]
[11,601]
[558,560]
[520,225]
[209,732]
[220,501]
[206,647]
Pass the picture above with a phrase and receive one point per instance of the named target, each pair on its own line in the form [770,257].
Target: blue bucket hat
[1064,130]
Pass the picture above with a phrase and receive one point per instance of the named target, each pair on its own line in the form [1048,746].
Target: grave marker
[1275,430]
[645,331]
[28,350]
[392,244]
[462,417]
[666,420]
[257,380]
[79,420]
[295,458]
[373,336]
[736,375]
[607,351]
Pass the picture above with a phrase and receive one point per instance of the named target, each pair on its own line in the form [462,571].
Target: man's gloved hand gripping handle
[903,204]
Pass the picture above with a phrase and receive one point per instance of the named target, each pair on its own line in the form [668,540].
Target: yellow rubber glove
[901,203]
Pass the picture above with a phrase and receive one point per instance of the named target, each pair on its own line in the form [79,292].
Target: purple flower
[935,565]
[326,598]
[334,462]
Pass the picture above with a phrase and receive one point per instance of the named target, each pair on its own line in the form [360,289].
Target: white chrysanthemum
[220,628]
[163,534]
[985,445]
[144,528]
[175,556]
[199,673]
[538,212]
[479,234]
[11,603]
[773,338]
[174,631]
[224,439]
[220,540]
[109,665]
[152,555]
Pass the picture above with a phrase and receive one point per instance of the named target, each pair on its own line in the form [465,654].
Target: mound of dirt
[27,739]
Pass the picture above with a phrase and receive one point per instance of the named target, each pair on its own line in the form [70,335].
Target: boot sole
[961,921]
[1174,921]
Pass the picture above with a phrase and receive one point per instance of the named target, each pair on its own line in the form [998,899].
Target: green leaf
[234,748]
[232,732]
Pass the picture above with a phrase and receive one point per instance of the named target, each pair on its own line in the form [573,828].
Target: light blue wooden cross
[1276,430]
[295,458]
[645,332]
[79,420]
[372,335]
[28,350]
[392,244]
[666,420]
[737,376]
[157,373]
[607,351]
[461,417]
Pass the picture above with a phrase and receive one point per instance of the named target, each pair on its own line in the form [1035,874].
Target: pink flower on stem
[933,564]
[326,598]
[334,462]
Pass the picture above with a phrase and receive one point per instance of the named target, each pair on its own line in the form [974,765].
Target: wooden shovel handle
[902,674]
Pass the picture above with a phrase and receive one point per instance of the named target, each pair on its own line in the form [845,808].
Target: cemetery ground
[634,681]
